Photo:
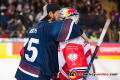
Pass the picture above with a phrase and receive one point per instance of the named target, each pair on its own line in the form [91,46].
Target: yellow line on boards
[108,57]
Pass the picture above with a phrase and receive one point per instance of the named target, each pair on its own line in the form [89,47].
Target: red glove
[22,52]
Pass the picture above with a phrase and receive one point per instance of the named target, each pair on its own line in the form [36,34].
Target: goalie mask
[69,13]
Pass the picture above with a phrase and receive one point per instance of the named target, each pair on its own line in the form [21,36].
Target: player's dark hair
[48,17]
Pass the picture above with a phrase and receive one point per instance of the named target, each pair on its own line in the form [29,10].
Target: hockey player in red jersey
[73,55]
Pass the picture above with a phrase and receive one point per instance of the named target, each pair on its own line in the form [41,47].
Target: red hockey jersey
[74,56]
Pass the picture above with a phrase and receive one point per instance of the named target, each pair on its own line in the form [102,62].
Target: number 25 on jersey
[31,48]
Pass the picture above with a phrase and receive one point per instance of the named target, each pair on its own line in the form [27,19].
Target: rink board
[106,50]
[10,50]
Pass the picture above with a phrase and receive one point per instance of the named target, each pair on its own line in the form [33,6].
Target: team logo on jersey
[73,57]
[72,74]
[70,12]
[33,31]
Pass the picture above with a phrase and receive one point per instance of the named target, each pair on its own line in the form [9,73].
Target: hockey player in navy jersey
[39,61]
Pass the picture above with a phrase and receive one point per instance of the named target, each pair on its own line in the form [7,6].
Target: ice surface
[8,68]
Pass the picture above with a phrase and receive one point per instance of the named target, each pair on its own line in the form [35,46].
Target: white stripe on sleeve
[31,74]
[70,30]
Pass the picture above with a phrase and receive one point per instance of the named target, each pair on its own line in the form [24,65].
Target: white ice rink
[8,68]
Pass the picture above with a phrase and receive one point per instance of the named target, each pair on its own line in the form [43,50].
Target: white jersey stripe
[65,75]
[79,68]
[71,25]
[34,75]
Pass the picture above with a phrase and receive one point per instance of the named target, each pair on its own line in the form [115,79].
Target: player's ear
[51,14]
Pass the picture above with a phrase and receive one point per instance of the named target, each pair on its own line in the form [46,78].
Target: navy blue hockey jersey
[40,58]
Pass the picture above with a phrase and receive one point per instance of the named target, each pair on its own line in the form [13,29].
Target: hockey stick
[96,49]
